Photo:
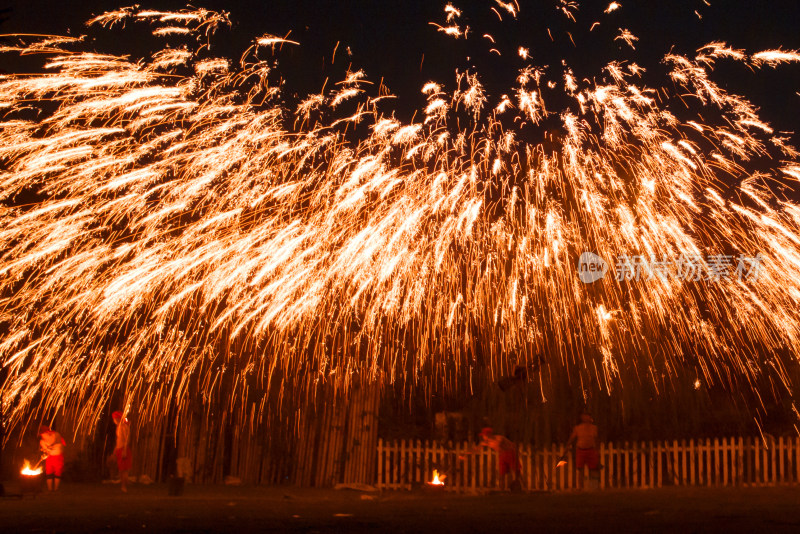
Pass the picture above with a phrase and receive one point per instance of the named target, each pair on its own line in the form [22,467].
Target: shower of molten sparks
[167,227]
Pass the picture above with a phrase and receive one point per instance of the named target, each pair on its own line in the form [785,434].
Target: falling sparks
[452,12]
[627,37]
[272,41]
[166,228]
[773,58]
[510,8]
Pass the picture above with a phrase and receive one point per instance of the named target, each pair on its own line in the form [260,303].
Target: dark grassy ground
[103,508]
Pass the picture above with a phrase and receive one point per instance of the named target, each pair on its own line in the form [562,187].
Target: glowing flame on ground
[27,470]
[437,480]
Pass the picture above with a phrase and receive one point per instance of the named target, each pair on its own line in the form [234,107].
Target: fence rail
[710,462]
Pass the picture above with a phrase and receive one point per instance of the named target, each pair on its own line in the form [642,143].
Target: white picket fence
[404,464]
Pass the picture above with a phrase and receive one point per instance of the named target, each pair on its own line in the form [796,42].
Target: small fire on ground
[437,479]
[27,470]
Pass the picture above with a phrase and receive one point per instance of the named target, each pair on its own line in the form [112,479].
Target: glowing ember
[27,470]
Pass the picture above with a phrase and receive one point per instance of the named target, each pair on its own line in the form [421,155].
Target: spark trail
[168,228]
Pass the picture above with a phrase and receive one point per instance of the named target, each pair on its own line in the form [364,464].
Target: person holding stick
[584,436]
[507,458]
[52,446]
[122,450]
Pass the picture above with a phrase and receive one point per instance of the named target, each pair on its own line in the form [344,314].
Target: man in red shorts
[584,435]
[122,451]
[507,459]
[52,446]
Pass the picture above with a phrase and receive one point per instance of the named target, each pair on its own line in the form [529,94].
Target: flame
[27,470]
[437,480]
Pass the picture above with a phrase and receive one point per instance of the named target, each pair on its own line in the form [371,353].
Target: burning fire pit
[437,484]
[31,479]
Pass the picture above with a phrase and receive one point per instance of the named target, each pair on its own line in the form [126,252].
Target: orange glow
[27,470]
[208,238]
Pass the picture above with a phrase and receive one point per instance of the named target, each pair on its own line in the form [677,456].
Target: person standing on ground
[584,436]
[122,451]
[52,446]
[507,459]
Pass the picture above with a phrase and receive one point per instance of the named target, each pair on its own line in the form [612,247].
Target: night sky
[394,41]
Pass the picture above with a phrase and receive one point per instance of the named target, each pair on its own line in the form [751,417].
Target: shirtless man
[52,446]
[122,450]
[507,459]
[584,435]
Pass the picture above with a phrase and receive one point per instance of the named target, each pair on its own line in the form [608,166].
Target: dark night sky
[389,39]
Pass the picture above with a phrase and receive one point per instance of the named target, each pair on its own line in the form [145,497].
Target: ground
[103,508]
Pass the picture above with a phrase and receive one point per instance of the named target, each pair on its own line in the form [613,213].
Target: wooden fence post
[759,470]
[796,441]
[380,463]
[604,463]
